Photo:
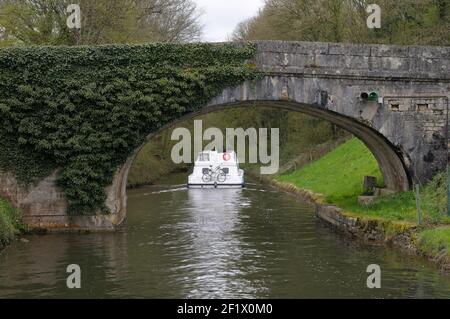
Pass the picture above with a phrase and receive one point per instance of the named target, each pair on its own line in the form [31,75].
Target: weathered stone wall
[406,131]
[413,81]
[44,207]
[360,60]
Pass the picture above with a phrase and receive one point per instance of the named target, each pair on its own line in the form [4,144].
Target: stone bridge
[405,124]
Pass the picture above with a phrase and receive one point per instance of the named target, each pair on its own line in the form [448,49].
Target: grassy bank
[338,179]
[338,175]
[436,242]
[10,224]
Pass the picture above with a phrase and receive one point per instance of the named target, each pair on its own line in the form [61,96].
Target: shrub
[85,109]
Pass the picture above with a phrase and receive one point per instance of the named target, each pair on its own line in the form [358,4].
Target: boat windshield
[203,157]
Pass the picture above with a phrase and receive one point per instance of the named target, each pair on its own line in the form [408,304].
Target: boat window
[203,157]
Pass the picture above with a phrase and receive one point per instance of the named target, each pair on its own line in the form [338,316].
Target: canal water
[237,243]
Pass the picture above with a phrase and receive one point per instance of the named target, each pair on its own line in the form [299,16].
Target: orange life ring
[226,157]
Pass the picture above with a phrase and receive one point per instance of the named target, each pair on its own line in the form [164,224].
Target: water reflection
[232,243]
[38,268]
[215,249]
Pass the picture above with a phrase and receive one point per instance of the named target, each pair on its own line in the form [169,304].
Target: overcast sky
[220,17]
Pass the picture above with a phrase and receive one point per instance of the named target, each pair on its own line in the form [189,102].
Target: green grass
[435,242]
[10,224]
[338,177]
[400,207]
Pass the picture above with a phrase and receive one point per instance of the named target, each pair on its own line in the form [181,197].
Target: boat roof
[216,157]
[209,151]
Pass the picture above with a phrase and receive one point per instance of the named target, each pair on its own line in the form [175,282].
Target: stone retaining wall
[400,235]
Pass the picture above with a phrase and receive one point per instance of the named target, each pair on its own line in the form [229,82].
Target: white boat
[213,169]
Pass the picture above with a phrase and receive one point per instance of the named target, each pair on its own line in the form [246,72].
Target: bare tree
[103,21]
[242,31]
[170,20]
[403,22]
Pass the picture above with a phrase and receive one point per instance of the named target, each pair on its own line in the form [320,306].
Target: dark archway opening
[390,159]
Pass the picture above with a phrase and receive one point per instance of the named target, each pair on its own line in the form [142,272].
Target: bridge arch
[390,159]
[406,129]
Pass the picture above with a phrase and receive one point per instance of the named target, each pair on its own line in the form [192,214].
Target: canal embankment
[334,182]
